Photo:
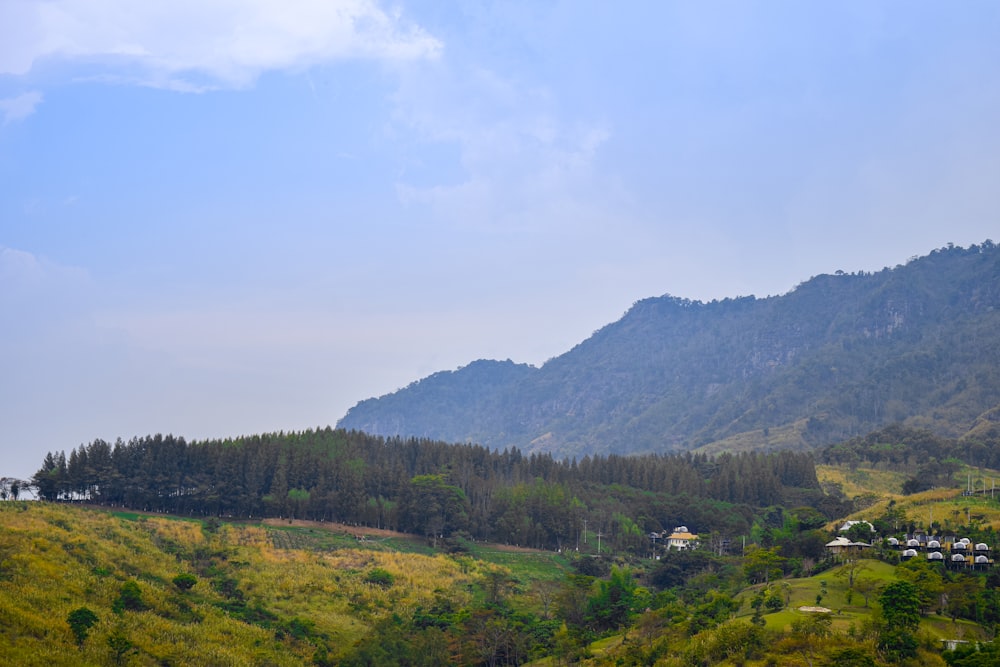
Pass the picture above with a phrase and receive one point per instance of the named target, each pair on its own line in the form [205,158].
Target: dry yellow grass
[947,507]
[862,481]
[56,558]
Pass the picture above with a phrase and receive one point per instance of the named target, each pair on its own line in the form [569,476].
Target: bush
[774,603]
[185,581]
[379,577]
[129,598]
[80,621]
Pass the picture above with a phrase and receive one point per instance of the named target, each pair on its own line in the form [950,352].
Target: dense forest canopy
[431,487]
[837,357]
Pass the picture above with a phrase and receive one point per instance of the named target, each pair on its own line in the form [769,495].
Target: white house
[682,539]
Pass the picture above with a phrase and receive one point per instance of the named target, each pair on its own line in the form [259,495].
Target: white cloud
[193,45]
[35,285]
[20,107]
[18,267]
[524,163]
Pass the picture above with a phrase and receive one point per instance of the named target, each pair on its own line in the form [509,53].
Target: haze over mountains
[838,356]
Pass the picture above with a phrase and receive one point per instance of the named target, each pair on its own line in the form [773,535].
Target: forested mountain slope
[838,356]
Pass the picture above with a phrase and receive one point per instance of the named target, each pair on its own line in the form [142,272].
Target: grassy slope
[55,558]
[945,506]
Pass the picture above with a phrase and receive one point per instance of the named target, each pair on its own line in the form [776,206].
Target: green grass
[524,565]
[319,539]
[802,592]
[845,614]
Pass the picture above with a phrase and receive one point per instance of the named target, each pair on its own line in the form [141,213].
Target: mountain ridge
[839,355]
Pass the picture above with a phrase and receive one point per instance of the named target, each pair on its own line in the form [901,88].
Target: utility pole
[599,536]
[584,531]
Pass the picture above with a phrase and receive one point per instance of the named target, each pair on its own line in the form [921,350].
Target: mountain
[838,356]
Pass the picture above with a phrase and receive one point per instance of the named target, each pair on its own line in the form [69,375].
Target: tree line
[930,459]
[432,488]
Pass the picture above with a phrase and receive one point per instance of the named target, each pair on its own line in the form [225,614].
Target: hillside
[838,356]
[86,587]
[175,585]
[164,591]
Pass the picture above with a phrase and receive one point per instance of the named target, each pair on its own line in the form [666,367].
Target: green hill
[81,586]
[175,592]
[839,356]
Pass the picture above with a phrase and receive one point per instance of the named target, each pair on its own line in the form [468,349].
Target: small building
[958,561]
[847,526]
[682,539]
[842,545]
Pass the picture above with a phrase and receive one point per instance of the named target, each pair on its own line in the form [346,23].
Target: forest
[155,552]
[433,488]
[837,357]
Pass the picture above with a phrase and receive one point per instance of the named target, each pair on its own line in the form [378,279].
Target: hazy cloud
[519,157]
[21,271]
[193,45]
[37,293]
[20,107]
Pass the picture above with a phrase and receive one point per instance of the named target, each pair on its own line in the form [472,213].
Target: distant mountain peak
[839,355]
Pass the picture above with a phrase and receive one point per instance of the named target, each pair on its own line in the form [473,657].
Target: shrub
[80,621]
[129,598]
[774,603]
[379,577]
[185,581]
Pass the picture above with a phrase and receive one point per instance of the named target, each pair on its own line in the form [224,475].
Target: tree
[80,621]
[900,603]
[613,604]
[10,487]
[120,646]
[850,657]
[434,507]
[852,567]
[762,564]
[866,586]
[49,479]
[571,600]
[900,614]
[860,532]
[129,598]
[808,632]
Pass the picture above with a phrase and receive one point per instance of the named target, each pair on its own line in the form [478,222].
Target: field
[262,594]
[283,592]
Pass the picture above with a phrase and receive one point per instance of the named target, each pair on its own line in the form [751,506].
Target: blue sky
[247,215]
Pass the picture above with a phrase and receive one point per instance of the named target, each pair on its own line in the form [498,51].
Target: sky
[244,216]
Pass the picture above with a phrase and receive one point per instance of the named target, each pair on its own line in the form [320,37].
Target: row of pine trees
[429,487]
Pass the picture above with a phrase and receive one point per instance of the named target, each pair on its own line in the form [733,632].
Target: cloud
[35,287]
[20,107]
[194,45]
[521,158]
